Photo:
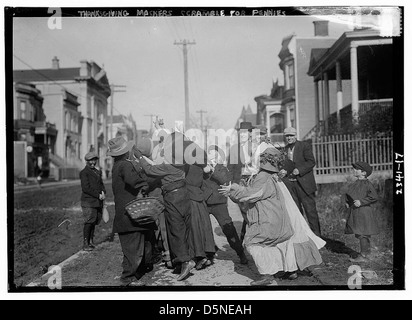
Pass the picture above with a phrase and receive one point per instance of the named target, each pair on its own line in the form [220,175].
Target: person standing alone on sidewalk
[93,195]
[299,178]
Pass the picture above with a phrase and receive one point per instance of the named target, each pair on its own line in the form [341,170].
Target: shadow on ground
[339,247]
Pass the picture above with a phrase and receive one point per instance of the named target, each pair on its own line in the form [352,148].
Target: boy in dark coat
[362,220]
[93,194]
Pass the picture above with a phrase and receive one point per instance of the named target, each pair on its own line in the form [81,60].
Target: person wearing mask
[176,200]
[128,181]
[217,204]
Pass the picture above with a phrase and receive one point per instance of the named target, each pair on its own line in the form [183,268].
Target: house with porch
[362,58]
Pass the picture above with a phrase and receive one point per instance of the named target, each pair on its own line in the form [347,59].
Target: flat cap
[290,131]
[91,155]
[360,165]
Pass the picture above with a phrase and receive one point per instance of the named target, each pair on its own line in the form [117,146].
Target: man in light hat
[93,194]
[299,178]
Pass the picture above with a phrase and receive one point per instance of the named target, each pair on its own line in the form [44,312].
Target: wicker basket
[145,210]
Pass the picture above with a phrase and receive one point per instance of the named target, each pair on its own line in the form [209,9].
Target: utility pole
[201,118]
[151,121]
[185,43]
[113,90]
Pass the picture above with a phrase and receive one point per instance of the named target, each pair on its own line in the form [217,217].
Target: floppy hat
[290,131]
[145,146]
[118,146]
[360,165]
[269,160]
[91,155]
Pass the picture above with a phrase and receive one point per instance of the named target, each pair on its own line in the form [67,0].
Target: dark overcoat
[305,162]
[212,182]
[92,186]
[127,182]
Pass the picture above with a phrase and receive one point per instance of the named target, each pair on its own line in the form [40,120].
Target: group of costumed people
[274,233]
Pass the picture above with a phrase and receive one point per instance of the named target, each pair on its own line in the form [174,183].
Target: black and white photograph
[205,148]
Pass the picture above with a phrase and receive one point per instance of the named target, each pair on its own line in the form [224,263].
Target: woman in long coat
[277,236]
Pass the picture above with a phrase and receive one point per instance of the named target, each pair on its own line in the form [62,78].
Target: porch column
[317,107]
[326,100]
[354,79]
[268,120]
[288,123]
[339,92]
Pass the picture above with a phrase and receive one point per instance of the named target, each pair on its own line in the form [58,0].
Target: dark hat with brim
[246,126]
[91,155]
[360,165]
[119,146]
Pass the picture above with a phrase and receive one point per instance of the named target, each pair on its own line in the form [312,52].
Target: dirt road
[102,268]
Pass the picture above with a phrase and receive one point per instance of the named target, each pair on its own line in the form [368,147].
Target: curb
[38,282]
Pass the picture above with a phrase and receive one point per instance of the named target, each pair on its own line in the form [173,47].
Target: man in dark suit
[299,177]
[93,194]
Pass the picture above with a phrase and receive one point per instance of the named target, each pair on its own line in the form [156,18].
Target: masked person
[93,194]
[277,236]
[128,180]
[217,203]
[176,200]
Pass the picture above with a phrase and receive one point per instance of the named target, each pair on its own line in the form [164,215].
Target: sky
[232,61]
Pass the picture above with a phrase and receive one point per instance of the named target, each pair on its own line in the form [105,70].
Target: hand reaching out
[225,190]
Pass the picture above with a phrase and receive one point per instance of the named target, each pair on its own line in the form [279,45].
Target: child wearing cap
[362,220]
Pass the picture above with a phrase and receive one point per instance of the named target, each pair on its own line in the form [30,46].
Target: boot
[86,237]
[233,239]
[91,242]
[365,245]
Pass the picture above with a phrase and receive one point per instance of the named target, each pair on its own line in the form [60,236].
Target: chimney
[321,28]
[55,63]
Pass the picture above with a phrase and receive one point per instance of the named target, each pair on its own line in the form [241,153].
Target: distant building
[247,115]
[73,91]
[122,126]
[271,114]
[34,138]
[299,100]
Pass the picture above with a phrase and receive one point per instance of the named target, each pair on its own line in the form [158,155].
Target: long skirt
[202,242]
[297,253]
